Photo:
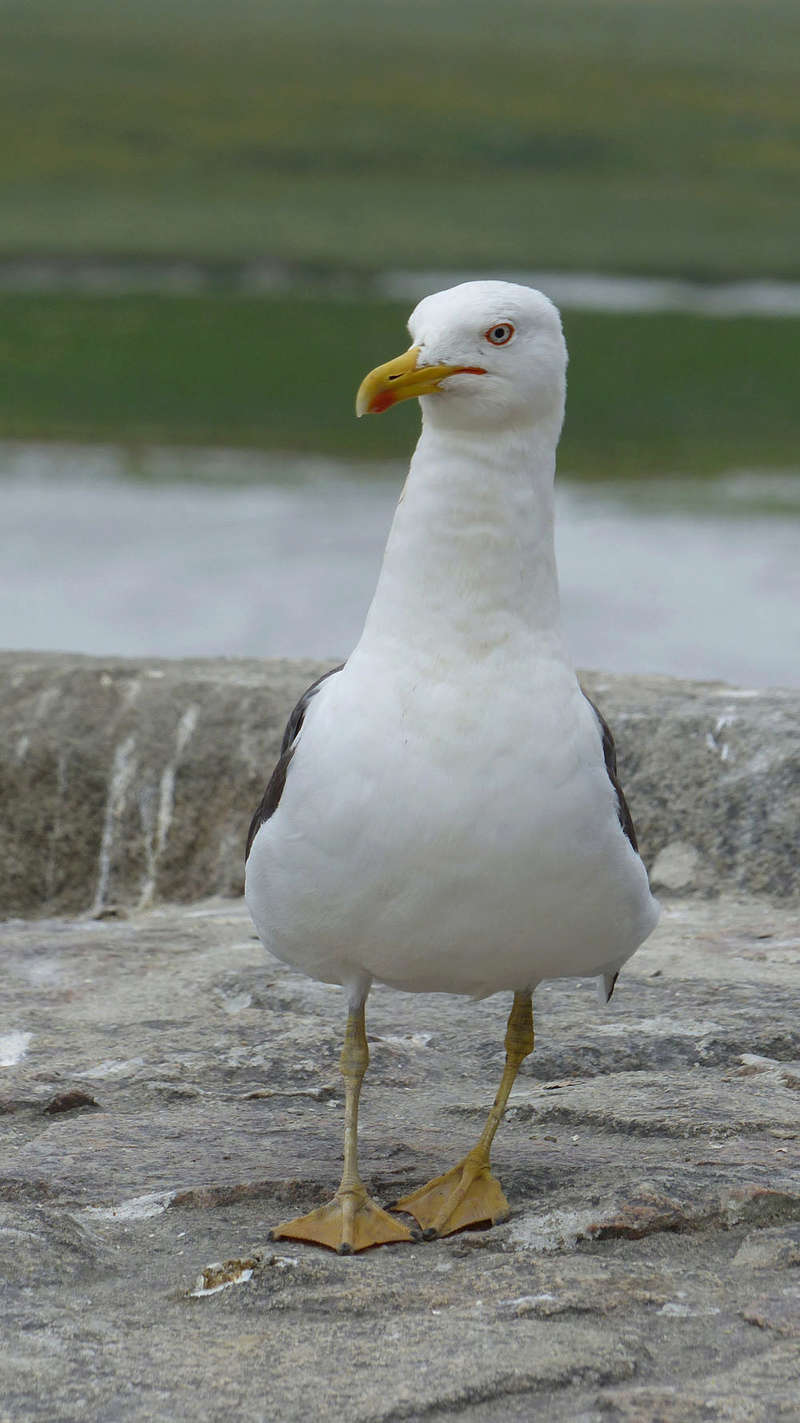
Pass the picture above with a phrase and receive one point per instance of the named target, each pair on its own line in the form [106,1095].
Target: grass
[648,395]
[657,136]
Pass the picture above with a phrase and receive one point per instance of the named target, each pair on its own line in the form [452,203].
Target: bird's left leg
[351,1221]
[470,1194]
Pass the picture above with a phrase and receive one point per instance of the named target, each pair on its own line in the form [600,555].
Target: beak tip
[376,393]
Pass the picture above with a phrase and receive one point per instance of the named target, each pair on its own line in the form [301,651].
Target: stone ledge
[169,1092]
[132,782]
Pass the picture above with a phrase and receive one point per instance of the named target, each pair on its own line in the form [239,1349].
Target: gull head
[484,356]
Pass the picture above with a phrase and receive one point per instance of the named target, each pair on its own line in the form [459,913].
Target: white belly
[463,841]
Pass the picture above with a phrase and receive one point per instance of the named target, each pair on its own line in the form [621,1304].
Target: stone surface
[169,1093]
[126,783]
[764,1249]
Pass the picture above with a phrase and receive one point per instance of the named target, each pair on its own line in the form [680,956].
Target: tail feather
[605,985]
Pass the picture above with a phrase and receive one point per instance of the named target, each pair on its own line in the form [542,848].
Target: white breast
[447,821]
[443,838]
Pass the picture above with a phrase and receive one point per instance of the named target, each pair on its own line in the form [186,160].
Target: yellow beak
[401,379]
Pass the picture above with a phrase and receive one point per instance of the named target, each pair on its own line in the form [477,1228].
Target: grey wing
[610,758]
[271,798]
[608,980]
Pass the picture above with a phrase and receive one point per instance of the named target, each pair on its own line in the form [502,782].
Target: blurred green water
[610,135]
[584,135]
[649,395]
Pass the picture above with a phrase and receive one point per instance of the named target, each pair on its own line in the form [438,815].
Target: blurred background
[215,217]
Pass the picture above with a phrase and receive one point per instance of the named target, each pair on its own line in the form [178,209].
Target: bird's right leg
[351,1221]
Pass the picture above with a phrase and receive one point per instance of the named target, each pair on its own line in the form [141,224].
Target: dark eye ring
[501,334]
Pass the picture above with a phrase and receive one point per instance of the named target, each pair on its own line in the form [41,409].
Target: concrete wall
[128,782]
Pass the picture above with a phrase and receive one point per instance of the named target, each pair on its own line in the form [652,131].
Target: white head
[485,356]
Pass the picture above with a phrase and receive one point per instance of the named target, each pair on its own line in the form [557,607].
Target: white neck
[470,565]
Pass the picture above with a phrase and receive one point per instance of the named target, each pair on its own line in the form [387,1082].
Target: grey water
[206,553]
[577,291]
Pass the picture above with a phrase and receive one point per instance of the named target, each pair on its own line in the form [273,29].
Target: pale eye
[501,334]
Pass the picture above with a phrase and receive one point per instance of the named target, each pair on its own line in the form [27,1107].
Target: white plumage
[445,819]
[447,822]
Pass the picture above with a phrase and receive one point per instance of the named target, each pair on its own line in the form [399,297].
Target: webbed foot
[467,1195]
[350,1222]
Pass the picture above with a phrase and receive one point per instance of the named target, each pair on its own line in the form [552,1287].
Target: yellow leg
[351,1221]
[470,1194]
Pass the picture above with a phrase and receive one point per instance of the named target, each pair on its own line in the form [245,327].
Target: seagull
[445,815]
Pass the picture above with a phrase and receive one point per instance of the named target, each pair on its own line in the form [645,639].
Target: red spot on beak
[382,402]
